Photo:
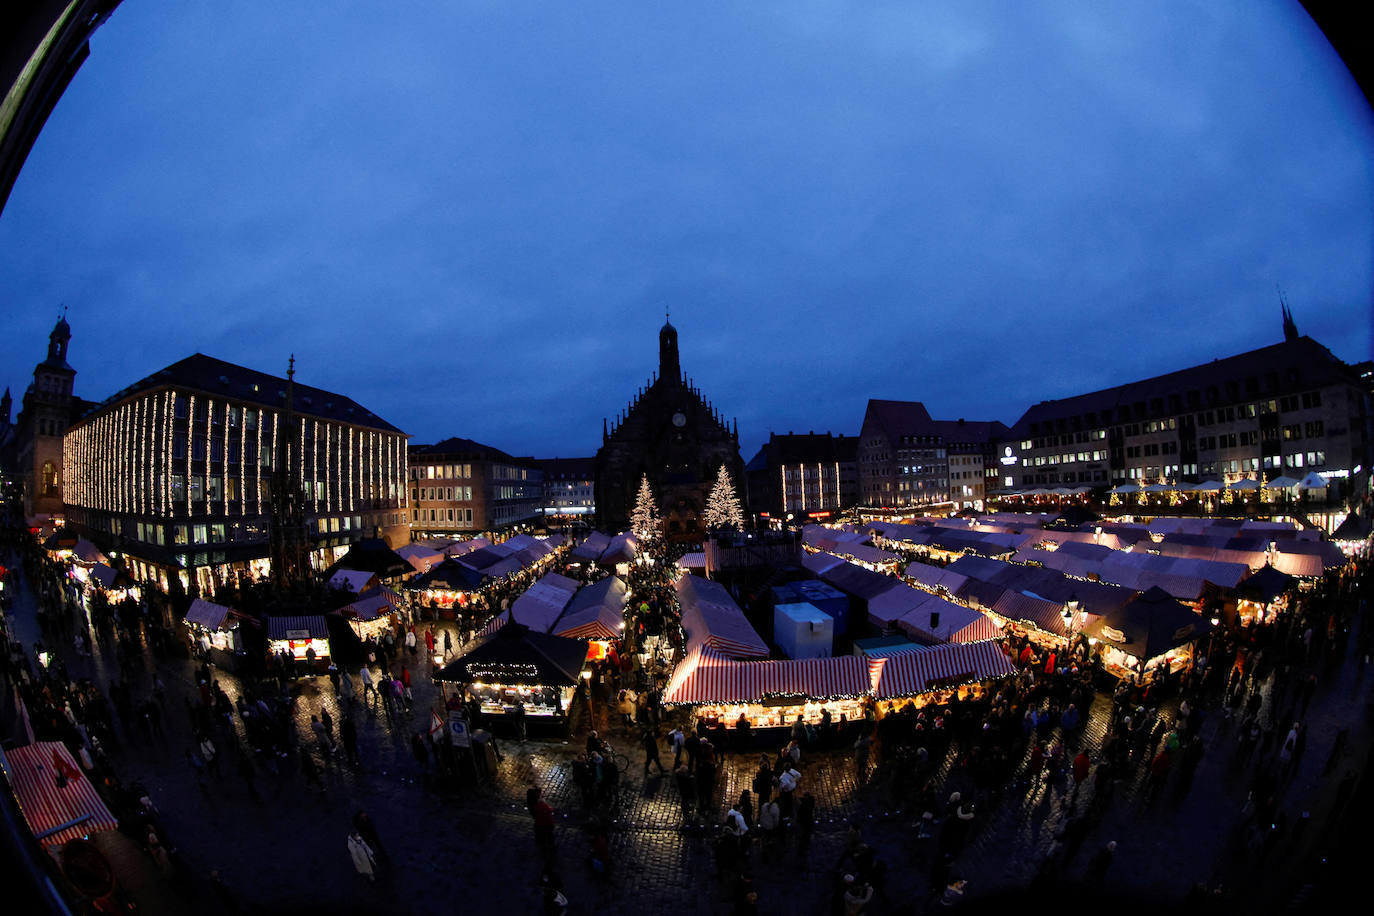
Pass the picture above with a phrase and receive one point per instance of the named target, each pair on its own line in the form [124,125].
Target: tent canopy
[1265,585]
[312,624]
[32,771]
[1149,626]
[595,612]
[374,556]
[516,655]
[208,615]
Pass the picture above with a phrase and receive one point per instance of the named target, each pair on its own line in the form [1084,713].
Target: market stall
[769,694]
[305,637]
[372,614]
[1263,596]
[937,674]
[214,631]
[1153,632]
[597,614]
[711,617]
[58,801]
[516,664]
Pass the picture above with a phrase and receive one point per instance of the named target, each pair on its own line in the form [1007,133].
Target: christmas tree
[644,521]
[723,509]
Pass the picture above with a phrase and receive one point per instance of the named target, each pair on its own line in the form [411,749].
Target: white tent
[1313,481]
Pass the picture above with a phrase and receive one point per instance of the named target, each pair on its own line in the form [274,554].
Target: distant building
[677,438]
[1286,409]
[803,474]
[176,470]
[569,488]
[34,453]
[461,487]
[906,458]
[969,447]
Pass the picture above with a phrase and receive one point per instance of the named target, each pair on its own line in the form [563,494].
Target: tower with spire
[670,432]
[290,540]
[48,408]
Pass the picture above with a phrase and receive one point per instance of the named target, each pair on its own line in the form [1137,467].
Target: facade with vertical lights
[174,471]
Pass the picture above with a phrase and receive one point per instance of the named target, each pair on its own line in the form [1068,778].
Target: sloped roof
[597,611]
[711,617]
[1151,625]
[859,582]
[227,380]
[899,418]
[1312,363]
[516,655]
[314,624]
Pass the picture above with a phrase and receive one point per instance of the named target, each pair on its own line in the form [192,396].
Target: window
[200,534]
[1314,429]
[179,490]
[215,490]
[179,411]
[250,418]
[179,534]
[217,533]
[197,490]
[234,414]
[178,449]
[231,488]
[197,449]
[233,452]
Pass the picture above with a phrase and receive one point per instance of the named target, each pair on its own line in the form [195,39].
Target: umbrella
[1246,485]
[1125,488]
[1281,483]
[1313,481]
[1209,486]
[1158,488]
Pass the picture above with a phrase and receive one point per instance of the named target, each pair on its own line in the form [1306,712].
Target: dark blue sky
[472,218]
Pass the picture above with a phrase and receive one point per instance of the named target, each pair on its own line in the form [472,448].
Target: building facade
[569,489]
[176,471]
[969,448]
[803,475]
[670,433]
[906,458]
[1286,409]
[459,487]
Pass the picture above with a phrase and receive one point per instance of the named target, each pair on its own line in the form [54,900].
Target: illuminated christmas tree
[644,520]
[722,508]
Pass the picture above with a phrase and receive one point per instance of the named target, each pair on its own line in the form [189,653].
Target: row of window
[440,471]
[432,516]
[450,494]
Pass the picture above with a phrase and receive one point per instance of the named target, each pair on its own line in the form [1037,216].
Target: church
[675,436]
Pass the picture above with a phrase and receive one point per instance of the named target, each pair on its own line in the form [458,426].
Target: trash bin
[483,754]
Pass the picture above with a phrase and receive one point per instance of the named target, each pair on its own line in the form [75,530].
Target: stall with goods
[305,638]
[516,666]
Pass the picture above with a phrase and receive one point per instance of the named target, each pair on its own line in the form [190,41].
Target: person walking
[518,716]
[369,686]
[677,741]
[542,813]
[348,733]
[650,745]
[448,644]
[364,860]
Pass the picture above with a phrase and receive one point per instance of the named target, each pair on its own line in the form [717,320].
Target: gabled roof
[1151,625]
[515,655]
[899,418]
[219,378]
[462,448]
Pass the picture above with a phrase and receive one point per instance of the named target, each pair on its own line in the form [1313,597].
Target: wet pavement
[285,851]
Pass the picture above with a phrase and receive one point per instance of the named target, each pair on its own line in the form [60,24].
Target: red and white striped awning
[981,629]
[32,772]
[821,678]
[707,676]
[704,676]
[906,674]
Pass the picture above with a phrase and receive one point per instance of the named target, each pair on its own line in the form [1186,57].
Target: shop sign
[1113,635]
[297,634]
[1007,458]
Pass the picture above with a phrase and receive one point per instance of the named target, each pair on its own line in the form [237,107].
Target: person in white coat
[364,860]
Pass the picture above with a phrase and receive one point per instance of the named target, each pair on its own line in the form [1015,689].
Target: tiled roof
[216,377]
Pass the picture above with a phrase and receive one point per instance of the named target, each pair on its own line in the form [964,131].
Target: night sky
[471,219]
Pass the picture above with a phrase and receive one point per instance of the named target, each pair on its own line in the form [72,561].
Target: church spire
[668,365]
[1290,327]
